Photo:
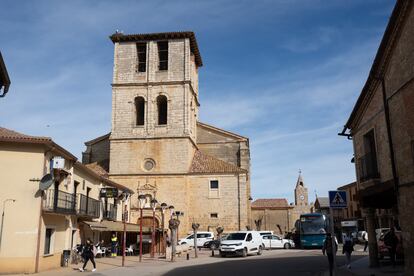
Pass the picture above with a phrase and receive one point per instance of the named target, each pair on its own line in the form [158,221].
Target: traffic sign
[337,199]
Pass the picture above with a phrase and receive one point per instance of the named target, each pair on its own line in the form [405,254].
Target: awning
[115,226]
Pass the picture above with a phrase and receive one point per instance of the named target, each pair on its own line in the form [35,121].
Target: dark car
[214,244]
[383,249]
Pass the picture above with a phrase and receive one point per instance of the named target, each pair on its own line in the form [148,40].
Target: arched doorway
[147,225]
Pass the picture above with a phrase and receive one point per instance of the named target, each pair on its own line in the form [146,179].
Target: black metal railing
[59,202]
[110,212]
[368,167]
[87,206]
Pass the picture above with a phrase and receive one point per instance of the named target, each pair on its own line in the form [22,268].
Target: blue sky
[284,73]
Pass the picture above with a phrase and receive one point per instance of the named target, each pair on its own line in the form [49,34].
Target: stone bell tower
[154,103]
[301,192]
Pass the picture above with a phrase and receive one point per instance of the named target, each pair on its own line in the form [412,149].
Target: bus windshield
[312,225]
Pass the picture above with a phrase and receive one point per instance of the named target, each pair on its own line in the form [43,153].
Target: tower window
[142,56]
[213,215]
[163,55]
[140,110]
[162,109]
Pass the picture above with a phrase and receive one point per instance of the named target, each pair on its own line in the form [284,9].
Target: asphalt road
[292,262]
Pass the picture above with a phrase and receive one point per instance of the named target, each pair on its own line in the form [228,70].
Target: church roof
[120,37]
[203,163]
[270,203]
[221,131]
[98,139]
[97,169]
[322,201]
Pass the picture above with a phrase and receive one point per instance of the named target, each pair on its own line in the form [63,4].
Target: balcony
[59,202]
[110,212]
[88,207]
[368,167]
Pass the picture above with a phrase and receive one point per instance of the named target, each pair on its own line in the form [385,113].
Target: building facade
[157,145]
[40,221]
[381,127]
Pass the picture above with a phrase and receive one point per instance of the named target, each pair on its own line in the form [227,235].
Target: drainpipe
[389,134]
[39,225]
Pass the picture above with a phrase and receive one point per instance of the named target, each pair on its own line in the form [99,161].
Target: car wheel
[244,253]
[259,252]
[286,246]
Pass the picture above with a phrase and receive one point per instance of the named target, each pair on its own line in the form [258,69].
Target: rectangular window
[213,215]
[48,241]
[368,162]
[162,55]
[142,56]
[214,184]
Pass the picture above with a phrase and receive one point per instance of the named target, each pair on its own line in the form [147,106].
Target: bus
[312,229]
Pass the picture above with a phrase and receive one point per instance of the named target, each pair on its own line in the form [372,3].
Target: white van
[202,238]
[241,243]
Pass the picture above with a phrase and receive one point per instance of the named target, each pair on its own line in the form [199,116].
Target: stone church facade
[158,147]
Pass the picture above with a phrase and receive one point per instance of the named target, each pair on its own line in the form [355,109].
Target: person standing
[88,254]
[330,249]
[365,238]
[348,248]
[391,241]
[114,245]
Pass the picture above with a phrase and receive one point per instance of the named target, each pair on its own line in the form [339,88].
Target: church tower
[154,103]
[301,192]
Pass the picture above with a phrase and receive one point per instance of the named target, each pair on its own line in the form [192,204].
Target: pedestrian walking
[348,247]
[330,249]
[88,253]
[391,241]
[365,238]
[114,245]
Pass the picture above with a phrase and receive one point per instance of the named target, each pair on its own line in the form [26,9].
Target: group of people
[89,251]
[330,247]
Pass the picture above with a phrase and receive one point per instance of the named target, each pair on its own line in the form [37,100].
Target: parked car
[262,233]
[383,249]
[274,241]
[242,243]
[202,238]
[214,244]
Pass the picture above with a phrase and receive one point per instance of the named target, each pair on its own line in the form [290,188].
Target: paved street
[281,262]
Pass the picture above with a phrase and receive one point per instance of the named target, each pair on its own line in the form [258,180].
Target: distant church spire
[300,179]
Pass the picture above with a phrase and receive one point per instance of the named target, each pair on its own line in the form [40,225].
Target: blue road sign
[337,199]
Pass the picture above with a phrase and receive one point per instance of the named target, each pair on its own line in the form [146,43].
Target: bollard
[188,256]
[212,252]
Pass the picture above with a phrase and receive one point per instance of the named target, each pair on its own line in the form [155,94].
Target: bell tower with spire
[301,192]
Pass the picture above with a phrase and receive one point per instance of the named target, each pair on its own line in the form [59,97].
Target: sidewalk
[361,267]
[149,266]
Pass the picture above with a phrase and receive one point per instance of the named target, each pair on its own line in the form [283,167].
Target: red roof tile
[11,135]
[203,163]
[270,203]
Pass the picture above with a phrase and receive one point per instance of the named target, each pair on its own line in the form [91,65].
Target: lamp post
[154,203]
[141,202]
[164,242]
[2,218]
[124,219]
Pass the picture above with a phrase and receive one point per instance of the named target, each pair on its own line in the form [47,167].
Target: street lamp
[2,217]
[141,202]
[163,208]
[154,203]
